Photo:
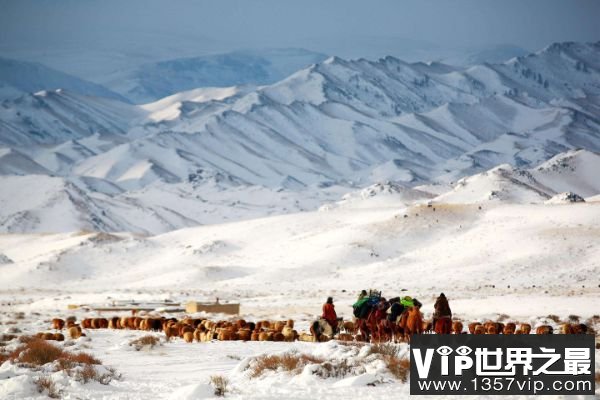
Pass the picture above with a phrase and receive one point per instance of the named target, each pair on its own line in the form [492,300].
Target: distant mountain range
[328,128]
[153,81]
[20,77]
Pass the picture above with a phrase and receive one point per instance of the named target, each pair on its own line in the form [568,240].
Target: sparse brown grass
[288,362]
[83,358]
[3,356]
[45,384]
[335,369]
[220,384]
[294,363]
[71,360]
[37,352]
[145,341]
[385,349]
[399,367]
[82,366]
[87,373]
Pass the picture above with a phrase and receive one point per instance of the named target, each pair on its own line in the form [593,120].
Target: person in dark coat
[396,309]
[329,313]
[441,309]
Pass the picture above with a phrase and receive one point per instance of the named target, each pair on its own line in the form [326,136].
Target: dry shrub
[353,344]
[334,369]
[110,374]
[37,352]
[65,364]
[554,318]
[399,367]
[81,366]
[145,341]
[385,349]
[71,360]
[44,383]
[220,384]
[87,373]
[288,362]
[83,358]
[3,356]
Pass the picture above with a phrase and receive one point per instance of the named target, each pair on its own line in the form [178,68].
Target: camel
[412,324]
[443,326]
[369,326]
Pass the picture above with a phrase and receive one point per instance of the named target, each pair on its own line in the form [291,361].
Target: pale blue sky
[344,27]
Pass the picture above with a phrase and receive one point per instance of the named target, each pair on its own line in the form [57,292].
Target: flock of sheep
[204,330]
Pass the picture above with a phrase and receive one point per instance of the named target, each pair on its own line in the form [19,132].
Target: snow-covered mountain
[41,203]
[573,171]
[335,123]
[459,246]
[362,121]
[20,77]
[153,81]
[54,117]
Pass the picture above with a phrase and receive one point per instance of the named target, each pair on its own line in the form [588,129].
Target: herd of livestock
[205,330]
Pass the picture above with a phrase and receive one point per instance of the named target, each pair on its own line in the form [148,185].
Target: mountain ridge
[338,123]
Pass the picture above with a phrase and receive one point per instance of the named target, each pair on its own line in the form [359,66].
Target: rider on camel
[395,310]
[442,310]
[408,301]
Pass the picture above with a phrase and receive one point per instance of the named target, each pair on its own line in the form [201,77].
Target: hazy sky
[344,27]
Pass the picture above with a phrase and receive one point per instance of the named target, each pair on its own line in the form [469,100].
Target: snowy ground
[177,370]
